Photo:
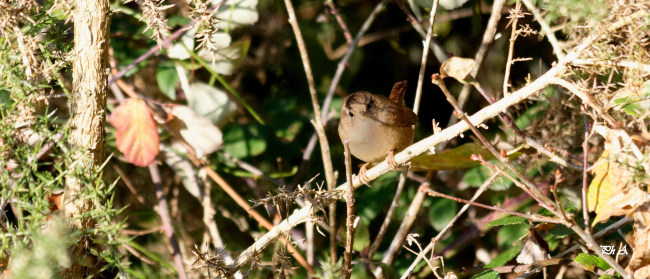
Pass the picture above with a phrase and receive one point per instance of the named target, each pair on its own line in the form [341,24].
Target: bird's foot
[390,159]
[362,175]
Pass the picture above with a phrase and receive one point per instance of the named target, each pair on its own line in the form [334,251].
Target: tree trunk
[88,115]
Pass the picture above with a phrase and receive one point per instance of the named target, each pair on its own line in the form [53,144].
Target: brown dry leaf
[137,136]
[195,129]
[640,241]
[458,68]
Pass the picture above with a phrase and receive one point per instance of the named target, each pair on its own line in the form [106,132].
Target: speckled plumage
[375,125]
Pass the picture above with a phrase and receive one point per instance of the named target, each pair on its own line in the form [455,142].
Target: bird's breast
[370,140]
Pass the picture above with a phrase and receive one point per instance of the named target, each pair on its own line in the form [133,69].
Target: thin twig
[585,186]
[488,38]
[425,54]
[252,169]
[350,218]
[341,66]
[339,19]
[404,228]
[418,27]
[545,28]
[535,218]
[156,48]
[163,211]
[318,124]
[451,223]
[389,216]
[515,14]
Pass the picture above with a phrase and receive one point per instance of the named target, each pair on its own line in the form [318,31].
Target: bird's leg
[362,174]
[390,159]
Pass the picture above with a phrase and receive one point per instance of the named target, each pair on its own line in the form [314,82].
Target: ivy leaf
[137,136]
[510,220]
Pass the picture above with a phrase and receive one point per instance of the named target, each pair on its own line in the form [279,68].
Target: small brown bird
[376,126]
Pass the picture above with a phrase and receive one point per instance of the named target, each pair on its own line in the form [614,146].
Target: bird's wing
[396,114]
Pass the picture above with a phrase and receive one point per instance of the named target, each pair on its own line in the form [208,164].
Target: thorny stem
[318,124]
[349,199]
[258,217]
[587,99]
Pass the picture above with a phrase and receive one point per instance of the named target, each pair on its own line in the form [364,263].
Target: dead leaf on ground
[137,136]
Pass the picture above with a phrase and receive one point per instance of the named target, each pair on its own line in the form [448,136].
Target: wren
[377,127]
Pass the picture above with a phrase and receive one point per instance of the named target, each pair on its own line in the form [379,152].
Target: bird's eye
[351,114]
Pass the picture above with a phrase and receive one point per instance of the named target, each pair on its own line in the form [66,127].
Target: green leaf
[243,141]
[167,77]
[509,234]
[455,159]
[286,125]
[589,261]
[177,20]
[561,231]
[387,271]
[361,236]
[476,176]
[488,274]
[505,256]
[607,276]
[441,212]
[510,220]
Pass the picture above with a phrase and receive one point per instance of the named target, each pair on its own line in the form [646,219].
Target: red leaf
[136,136]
